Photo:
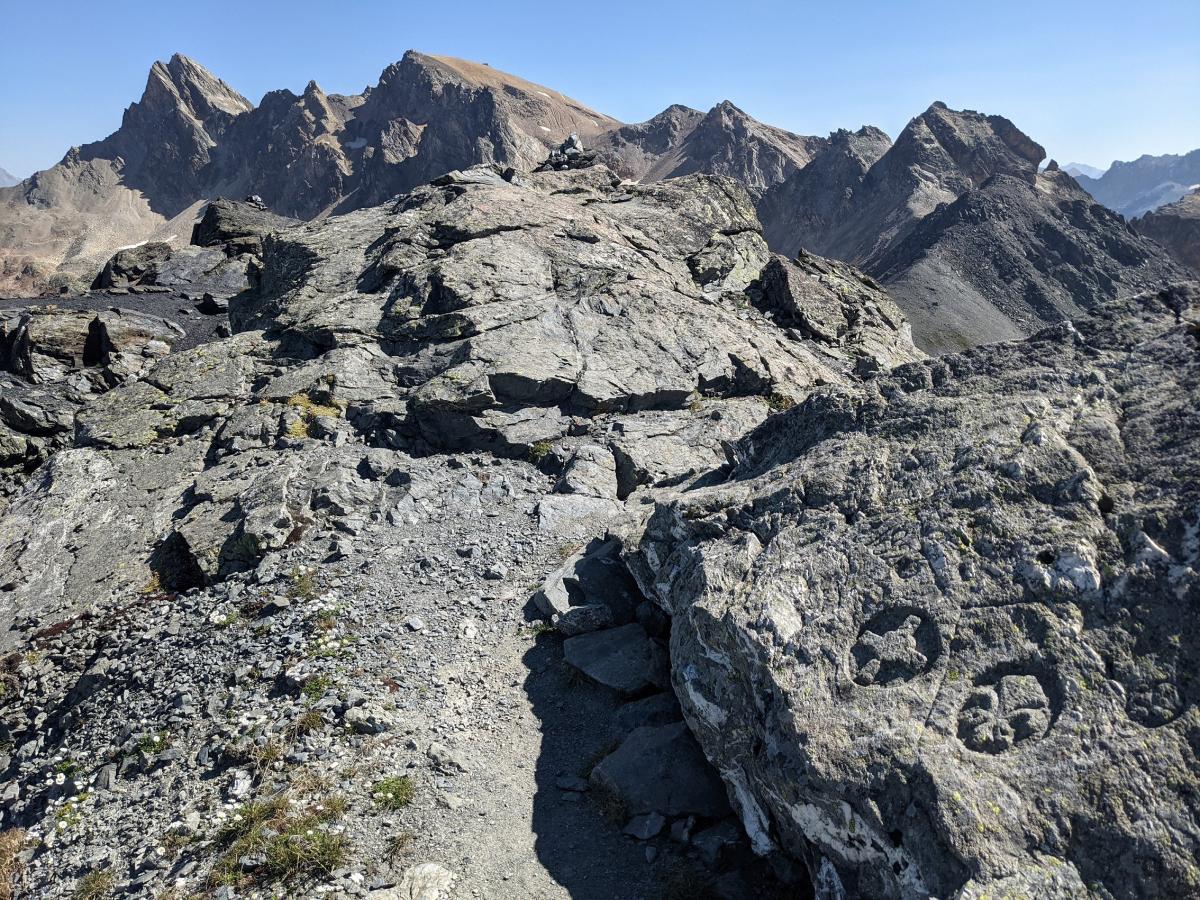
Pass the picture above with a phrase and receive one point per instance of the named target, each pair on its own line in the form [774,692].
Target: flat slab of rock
[427,881]
[624,659]
[662,769]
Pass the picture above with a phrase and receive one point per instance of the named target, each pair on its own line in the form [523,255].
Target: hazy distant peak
[1074,169]
[7,179]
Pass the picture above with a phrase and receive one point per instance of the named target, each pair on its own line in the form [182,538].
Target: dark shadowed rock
[661,769]
[625,659]
[135,266]
[237,227]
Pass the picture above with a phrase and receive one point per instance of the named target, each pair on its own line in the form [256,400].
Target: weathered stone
[427,881]
[661,769]
[624,658]
[951,602]
[134,266]
[237,227]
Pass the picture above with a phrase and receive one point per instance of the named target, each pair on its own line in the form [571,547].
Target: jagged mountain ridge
[853,196]
[975,244]
[1136,187]
[723,141]
[1176,227]
[191,137]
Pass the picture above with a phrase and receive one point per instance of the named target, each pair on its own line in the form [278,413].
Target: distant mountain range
[1074,169]
[955,208]
[7,179]
[1135,188]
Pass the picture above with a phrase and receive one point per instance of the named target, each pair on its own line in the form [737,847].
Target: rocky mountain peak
[182,83]
[970,144]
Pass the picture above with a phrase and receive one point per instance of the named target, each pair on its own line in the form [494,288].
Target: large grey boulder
[133,266]
[625,659]
[937,635]
[237,227]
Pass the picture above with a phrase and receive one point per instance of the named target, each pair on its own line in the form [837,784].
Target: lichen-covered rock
[937,634]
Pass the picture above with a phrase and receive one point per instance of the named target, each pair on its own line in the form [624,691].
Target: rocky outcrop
[1143,185]
[237,227]
[1175,227]
[570,154]
[135,266]
[929,631]
[552,318]
[54,361]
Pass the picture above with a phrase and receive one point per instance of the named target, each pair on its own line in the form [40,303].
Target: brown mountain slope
[192,137]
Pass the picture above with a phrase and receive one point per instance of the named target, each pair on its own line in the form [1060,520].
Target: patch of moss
[394,793]
[539,451]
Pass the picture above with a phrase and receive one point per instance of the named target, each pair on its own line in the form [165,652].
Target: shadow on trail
[583,851]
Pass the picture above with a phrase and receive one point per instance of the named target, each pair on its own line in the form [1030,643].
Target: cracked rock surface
[279,586]
[938,634]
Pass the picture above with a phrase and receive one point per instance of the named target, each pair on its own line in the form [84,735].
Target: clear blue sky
[1091,81]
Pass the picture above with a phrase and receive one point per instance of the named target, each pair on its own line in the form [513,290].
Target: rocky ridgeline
[475,563]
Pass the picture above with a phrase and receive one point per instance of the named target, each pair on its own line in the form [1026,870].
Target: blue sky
[1092,81]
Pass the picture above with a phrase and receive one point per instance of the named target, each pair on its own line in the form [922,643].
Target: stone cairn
[570,154]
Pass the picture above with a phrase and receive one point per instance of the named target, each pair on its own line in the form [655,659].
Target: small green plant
[155,742]
[308,411]
[780,402]
[394,793]
[95,885]
[175,840]
[304,584]
[539,451]
[316,686]
[263,756]
[292,844]
[69,814]
[308,722]
[539,628]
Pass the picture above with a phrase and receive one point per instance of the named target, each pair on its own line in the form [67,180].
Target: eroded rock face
[936,634]
[52,362]
[553,318]
[237,227]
